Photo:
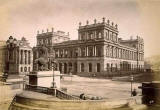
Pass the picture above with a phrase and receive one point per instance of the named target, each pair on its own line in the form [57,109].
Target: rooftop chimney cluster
[58,32]
[47,30]
[107,23]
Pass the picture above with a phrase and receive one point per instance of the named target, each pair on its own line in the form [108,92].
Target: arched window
[25,69]
[98,67]
[82,67]
[90,67]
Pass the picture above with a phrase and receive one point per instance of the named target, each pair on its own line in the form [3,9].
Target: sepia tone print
[79,55]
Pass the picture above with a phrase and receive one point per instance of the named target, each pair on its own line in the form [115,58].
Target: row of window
[25,69]
[123,66]
[90,67]
[90,35]
[93,34]
[115,52]
[47,41]
[81,52]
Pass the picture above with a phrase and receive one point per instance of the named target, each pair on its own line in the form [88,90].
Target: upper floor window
[99,35]
[107,36]
[56,53]
[76,52]
[110,36]
[61,53]
[83,52]
[99,51]
[66,53]
[90,51]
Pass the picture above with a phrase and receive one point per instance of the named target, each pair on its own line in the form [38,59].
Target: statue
[42,61]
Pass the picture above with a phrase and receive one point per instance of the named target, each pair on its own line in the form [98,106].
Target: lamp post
[131,84]
[11,44]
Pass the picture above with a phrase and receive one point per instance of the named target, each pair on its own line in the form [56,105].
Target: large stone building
[98,50]
[19,57]
[48,39]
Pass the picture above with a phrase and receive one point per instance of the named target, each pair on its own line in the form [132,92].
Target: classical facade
[19,56]
[98,50]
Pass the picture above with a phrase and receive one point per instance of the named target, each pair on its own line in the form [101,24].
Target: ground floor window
[90,67]
[21,69]
[82,67]
[25,69]
[98,67]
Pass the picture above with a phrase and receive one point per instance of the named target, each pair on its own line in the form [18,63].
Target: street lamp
[131,83]
[11,44]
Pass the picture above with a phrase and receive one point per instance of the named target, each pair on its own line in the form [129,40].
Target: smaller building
[19,58]
[2,56]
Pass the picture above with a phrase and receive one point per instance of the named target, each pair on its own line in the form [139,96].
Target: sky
[23,18]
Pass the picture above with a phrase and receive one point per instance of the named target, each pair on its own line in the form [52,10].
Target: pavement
[104,88]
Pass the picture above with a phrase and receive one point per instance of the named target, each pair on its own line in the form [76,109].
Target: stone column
[62,68]
[22,56]
[95,50]
[87,50]
[95,35]
[29,57]
[27,54]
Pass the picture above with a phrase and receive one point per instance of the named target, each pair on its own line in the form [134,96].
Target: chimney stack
[52,29]
[112,23]
[87,22]
[116,26]
[108,21]
[38,32]
[103,19]
[95,21]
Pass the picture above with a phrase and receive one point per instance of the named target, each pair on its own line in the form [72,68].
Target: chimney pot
[103,19]
[38,32]
[87,22]
[108,21]
[95,21]
[52,29]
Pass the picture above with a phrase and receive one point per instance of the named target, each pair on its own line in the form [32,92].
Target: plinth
[45,78]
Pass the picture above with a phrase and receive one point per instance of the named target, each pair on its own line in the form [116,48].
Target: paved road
[105,88]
